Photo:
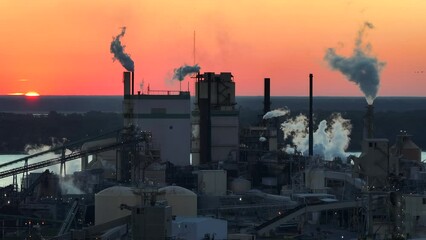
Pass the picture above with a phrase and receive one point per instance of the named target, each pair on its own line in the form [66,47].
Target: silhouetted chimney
[311,120]
[267,96]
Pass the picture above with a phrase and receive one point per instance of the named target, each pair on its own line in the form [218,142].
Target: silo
[108,201]
[182,200]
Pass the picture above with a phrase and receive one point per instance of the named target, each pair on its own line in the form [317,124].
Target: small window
[424,200]
[370,144]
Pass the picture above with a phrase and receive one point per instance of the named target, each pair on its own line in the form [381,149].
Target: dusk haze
[63,47]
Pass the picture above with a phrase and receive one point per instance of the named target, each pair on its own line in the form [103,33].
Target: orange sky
[61,47]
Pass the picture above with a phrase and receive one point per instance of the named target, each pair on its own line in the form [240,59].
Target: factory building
[166,114]
[215,125]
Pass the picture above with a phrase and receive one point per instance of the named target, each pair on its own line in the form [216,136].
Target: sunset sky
[61,47]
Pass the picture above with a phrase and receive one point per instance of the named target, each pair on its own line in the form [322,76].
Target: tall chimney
[311,121]
[133,83]
[267,96]
[126,81]
[204,82]
[127,102]
[368,123]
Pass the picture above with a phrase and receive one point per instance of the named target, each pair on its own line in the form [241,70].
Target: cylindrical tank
[108,201]
[182,200]
[240,185]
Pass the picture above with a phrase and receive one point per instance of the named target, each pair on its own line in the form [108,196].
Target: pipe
[133,83]
[311,121]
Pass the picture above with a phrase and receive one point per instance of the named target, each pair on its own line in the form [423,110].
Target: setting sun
[32,94]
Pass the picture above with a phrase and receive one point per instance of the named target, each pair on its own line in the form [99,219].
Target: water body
[71,166]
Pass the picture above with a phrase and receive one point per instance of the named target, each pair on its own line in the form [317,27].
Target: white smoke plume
[33,149]
[195,131]
[71,166]
[68,187]
[181,72]
[331,139]
[117,49]
[360,68]
[276,113]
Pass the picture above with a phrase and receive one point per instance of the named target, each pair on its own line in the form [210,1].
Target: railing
[60,148]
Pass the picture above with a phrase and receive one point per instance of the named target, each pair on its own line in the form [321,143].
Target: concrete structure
[414,214]
[167,117]
[406,148]
[212,182]
[108,201]
[215,119]
[166,114]
[182,200]
[199,228]
[106,160]
[151,223]
[375,163]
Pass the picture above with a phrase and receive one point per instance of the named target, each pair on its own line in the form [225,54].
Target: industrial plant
[176,171]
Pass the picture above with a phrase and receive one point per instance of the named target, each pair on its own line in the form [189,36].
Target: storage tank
[240,185]
[108,201]
[182,200]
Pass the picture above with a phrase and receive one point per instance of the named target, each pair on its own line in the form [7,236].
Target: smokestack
[267,96]
[311,121]
[204,106]
[128,102]
[126,81]
[368,122]
[133,83]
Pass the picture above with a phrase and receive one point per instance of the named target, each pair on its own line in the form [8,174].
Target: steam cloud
[118,50]
[181,72]
[276,113]
[71,166]
[195,131]
[68,187]
[331,139]
[360,68]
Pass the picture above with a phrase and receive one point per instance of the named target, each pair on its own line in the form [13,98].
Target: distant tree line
[18,130]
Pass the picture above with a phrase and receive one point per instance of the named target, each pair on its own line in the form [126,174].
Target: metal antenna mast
[194,48]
